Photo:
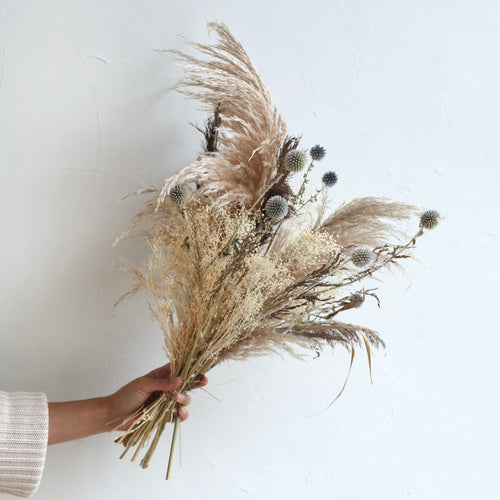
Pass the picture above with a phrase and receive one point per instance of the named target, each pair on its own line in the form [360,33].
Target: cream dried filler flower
[239,266]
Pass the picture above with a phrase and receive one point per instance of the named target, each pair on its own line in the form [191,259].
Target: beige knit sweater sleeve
[24,428]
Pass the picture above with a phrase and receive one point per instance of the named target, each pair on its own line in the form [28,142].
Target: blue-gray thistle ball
[362,257]
[179,194]
[430,219]
[296,160]
[317,152]
[356,299]
[276,207]
[330,178]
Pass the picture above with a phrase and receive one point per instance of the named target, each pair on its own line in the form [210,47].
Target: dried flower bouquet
[239,263]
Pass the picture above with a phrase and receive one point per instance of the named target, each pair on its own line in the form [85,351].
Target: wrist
[109,413]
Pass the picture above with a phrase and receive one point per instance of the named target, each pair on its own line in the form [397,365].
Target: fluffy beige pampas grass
[368,221]
[251,131]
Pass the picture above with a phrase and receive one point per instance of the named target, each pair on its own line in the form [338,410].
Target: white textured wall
[404,95]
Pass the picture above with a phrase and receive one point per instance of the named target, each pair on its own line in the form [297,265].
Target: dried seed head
[179,194]
[276,207]
[317,152]
[330,179]
[362,257]
[282,188]
[296,160]
[430,219]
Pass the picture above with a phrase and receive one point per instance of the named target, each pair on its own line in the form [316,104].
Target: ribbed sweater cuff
[24,429]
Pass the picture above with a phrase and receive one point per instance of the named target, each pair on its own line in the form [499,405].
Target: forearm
[78,419]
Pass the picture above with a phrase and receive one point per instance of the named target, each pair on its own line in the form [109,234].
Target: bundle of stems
[240,263]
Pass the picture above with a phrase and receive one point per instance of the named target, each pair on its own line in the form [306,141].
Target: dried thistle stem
[304,182]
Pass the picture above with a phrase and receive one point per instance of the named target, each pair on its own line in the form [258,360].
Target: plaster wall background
[405,97]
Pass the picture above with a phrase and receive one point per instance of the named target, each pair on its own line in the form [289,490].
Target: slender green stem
[172,446]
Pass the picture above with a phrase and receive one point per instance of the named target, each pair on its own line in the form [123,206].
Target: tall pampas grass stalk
[239,264]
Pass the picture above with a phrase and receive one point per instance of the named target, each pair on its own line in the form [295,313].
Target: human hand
[145,389]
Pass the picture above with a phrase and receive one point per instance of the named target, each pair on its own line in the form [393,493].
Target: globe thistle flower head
[317,152]
[329,179]
[357,299]
[296,160]
[179,194]
[276,207]
[430,219]
[362,257]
